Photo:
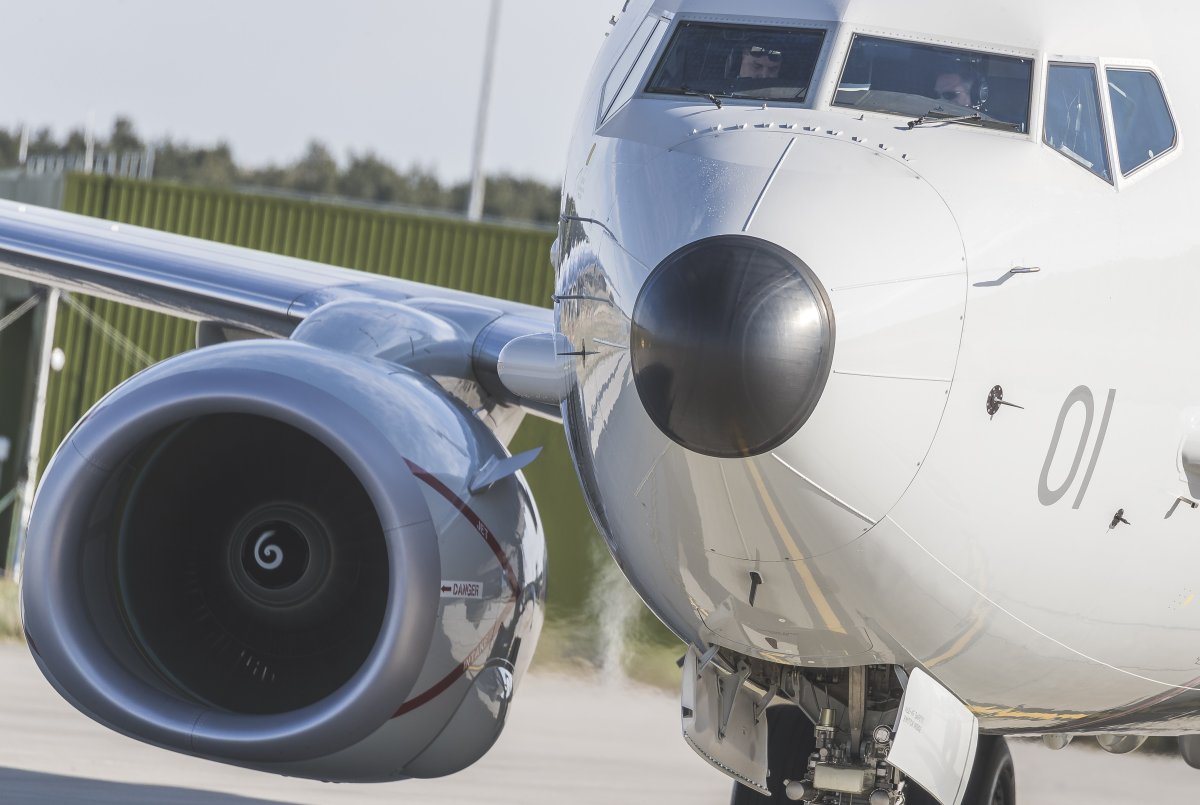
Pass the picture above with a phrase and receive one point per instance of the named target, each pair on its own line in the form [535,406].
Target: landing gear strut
[841,759]
[792,741]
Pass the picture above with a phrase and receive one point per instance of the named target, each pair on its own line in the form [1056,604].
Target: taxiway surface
[567,741]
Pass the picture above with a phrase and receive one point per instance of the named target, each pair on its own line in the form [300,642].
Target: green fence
[504,261]
[105,342]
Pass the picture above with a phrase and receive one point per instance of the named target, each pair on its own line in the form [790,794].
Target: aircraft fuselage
[993,482]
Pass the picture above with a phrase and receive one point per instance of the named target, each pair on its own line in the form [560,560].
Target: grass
[10,622]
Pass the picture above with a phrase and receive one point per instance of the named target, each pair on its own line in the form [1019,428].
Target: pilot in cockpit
[759,62]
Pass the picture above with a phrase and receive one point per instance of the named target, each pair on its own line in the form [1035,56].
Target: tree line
[364,176]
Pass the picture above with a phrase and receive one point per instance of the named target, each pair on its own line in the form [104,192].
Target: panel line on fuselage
[893,377]
[895,281]
[825,609]
[825,493]
[787,149]
[1030,626]
[733,510]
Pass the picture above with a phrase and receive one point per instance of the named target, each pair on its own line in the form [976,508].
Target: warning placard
[462,589]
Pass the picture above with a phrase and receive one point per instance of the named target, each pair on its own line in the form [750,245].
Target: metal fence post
[29,482]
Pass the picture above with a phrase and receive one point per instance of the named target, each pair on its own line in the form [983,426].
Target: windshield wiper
[934,116]
[709,95]
[716,97]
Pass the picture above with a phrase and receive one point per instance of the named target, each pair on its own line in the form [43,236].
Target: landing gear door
[724,721]
[935,739]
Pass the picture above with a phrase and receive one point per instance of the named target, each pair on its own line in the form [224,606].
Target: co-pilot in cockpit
[911,78]
[962,86]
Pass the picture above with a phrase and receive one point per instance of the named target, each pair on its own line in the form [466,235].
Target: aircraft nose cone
[731,344]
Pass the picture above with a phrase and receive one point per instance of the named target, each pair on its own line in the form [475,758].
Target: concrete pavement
[568,740]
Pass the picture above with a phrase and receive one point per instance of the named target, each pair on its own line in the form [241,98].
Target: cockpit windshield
[926,81]
[738,61]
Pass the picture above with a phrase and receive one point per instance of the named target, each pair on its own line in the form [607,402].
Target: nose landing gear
[835,761]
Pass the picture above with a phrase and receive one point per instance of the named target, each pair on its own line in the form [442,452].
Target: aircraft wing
[229,288]
[343,508]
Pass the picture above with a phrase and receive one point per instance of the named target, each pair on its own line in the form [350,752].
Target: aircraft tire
[993,777]
[790,740]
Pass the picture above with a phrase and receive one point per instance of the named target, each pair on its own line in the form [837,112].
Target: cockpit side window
[929,81]
[621,76]
[1073,123]
[766,63]
[1141,119]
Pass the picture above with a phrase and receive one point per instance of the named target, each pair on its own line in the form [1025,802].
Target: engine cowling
[266,553]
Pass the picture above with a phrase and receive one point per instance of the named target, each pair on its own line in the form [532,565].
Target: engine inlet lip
[90,660]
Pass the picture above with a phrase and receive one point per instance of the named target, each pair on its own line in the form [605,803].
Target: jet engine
[269,554]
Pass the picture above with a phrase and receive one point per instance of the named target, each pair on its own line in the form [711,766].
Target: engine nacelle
[267,554]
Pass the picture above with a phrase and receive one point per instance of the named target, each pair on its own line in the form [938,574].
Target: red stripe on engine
[472,518]
[449,679]
[431,694]
[459,670]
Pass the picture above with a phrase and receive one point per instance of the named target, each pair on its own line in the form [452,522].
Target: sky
[400,78]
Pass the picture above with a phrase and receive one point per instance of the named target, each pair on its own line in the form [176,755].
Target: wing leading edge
[265,294]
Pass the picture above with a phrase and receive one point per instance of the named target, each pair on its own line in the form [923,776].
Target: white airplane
[872,344]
